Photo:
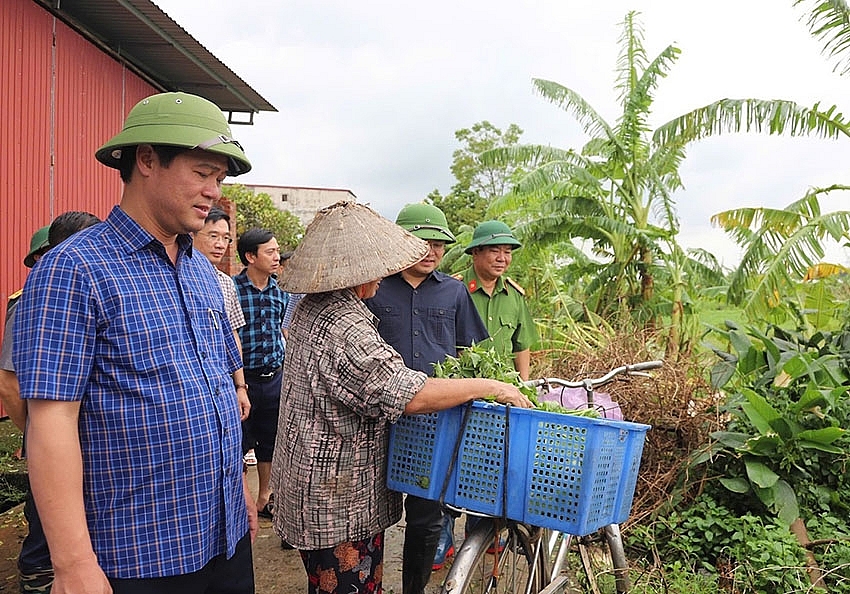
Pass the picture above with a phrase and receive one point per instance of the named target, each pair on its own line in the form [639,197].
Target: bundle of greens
[482,360]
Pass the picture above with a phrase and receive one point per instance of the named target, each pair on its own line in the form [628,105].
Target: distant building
[304,203]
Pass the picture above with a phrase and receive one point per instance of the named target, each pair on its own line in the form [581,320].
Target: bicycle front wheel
[595,563]
[517,567]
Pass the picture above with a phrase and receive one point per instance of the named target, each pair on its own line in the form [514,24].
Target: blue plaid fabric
[293,300]
[262,334]
[146,347]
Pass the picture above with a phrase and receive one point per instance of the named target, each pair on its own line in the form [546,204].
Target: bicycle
[506,556]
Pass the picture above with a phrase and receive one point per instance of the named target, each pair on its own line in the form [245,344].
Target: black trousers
[424,519]
[219,576]
[34,555]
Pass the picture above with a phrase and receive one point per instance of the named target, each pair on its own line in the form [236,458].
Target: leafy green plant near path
[785,455]
[770,439]
[739,553]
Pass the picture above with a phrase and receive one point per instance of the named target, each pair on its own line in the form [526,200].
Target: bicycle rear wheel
[519,567]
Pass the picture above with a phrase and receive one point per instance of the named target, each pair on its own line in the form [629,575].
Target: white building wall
[303,202]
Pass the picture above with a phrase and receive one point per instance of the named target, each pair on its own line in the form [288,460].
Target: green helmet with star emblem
[425,221]
[176,119]
[492,233]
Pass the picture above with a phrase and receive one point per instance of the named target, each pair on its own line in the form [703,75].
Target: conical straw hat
[346,245]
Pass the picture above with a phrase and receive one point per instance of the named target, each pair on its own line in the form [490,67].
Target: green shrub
[747,552]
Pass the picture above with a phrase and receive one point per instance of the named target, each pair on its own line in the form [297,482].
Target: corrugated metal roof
[152,43]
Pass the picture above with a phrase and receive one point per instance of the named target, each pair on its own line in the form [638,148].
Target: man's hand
[85,577]
[243,401]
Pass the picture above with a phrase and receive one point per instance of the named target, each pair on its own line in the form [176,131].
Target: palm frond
[632,58]
[782,221]
[703,265]
[829,22]
[591,122]
[633,124]
[778,254]
[524,155]
[825,270]
[752,115]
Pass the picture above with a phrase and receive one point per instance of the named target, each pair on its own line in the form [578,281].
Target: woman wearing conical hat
[343,386]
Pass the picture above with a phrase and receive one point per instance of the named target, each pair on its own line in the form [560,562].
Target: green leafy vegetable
[581,412]
[483,361]
[480,360]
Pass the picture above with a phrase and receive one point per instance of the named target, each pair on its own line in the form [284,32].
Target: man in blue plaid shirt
[124,353]
[263,304]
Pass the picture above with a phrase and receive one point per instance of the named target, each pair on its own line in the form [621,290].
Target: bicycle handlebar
[595,382]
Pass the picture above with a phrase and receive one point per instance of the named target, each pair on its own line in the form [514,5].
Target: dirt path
[278,571]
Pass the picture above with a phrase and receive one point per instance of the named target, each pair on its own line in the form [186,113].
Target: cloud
[370,93]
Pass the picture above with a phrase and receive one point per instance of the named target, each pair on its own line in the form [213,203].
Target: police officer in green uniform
[500,300]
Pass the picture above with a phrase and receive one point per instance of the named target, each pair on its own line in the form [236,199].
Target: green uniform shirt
[505,314]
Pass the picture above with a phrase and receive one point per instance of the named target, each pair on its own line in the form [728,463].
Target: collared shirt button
[416,310]
[416,333]
[415,355]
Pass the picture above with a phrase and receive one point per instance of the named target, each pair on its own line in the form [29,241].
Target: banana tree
[615,195]
[781,248]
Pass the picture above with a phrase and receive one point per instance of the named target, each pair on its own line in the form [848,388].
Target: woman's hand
[509,394]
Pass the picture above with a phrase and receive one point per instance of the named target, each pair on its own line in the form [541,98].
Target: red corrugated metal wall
[59,102]
[92,97]
[25,43]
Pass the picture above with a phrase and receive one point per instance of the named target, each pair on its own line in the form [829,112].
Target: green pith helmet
[425,221]
[492,233]
[176,119]
[38,245]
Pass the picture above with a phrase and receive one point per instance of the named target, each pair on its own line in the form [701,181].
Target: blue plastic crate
[420,451]
[578,471]
[477,480]
[566,472]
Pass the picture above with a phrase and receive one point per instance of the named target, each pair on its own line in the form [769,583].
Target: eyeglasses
[437,246]
[215,237]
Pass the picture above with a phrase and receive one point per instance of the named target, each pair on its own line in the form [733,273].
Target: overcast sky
[371,92]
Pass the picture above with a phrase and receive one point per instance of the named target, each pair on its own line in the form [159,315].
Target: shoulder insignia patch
[16,294]
[458,276]
[515,285]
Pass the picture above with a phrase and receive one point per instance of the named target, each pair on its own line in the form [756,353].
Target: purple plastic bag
[576,398]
